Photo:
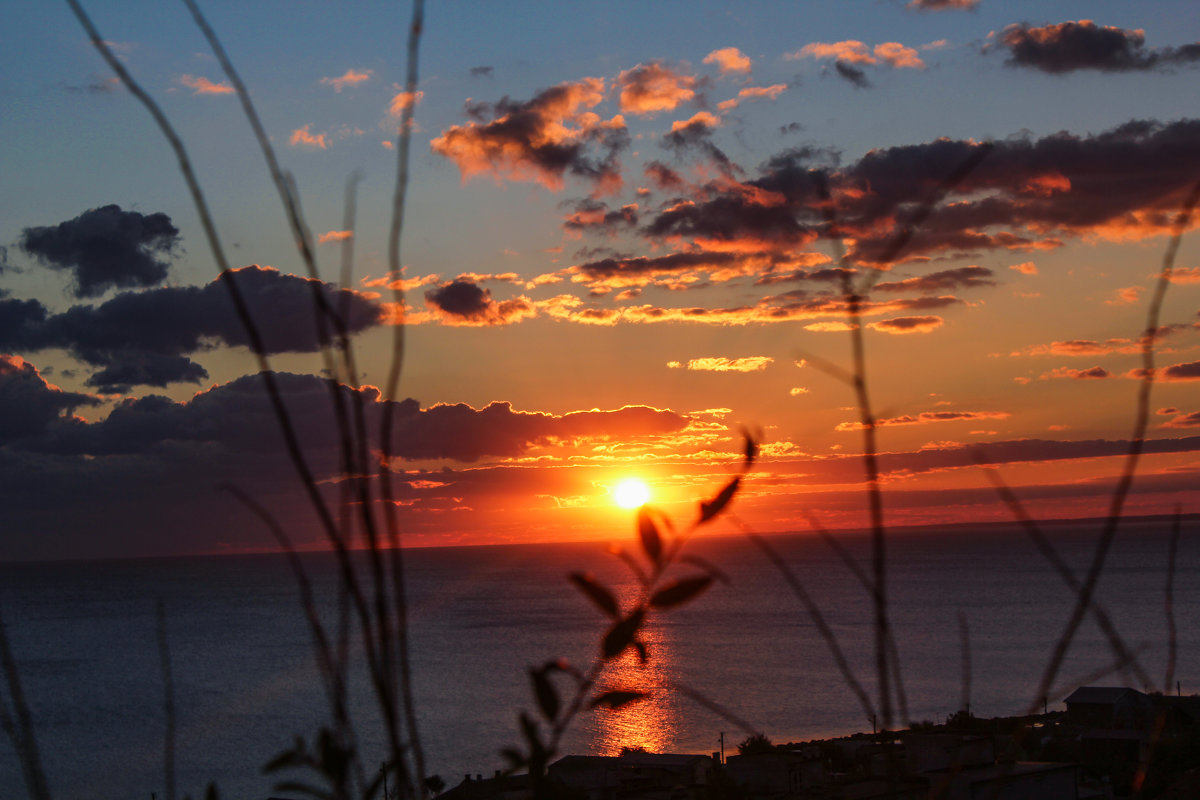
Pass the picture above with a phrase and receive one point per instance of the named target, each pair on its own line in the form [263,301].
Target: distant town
[1109,742]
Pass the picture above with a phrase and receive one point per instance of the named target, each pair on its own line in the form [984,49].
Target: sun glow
[631,493]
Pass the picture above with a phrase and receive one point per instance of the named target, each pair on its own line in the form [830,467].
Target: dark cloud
[462,433]
[28,404]
[639,269]
[541,139]
[855,75]
[481,72]
[143,338]
[663,177]
[595,215]
[791,127]
[1070,46]
[463,298]
[1026,194]
[1182,372]
[922,324]
[106,248]
[463,302]
[695,136]
[942,5]
[958,278]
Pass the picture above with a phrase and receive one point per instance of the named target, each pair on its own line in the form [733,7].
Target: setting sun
[631,493]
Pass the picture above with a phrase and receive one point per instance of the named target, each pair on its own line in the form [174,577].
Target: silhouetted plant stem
[814,613]
[1120,650]
[865,581]
[331,663]
[1136,444]
[383,670]
[17,723]
[399,201]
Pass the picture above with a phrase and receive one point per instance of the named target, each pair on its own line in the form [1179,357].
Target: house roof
[1100,695]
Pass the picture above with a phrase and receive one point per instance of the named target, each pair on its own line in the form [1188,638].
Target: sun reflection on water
[650,723]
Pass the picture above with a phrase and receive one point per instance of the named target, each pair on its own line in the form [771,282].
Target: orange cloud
[403,100]
[1126,296]
[729,59]
[1182,275]
[302,136]
[1191,420]
[852,51]
[1025,268]
[755,92]
[705,118]
[334,236]
[926,418]
[203,85]
[721,364]
[898,56]
[902,325]
[648,88]
[1092,373]
[350,78]
[829,327]
[542,139]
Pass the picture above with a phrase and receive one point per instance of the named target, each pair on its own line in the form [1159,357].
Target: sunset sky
[615,261]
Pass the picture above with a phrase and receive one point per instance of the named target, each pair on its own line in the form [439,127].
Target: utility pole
[722,747]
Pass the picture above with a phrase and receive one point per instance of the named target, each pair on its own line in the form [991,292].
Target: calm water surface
[84,638]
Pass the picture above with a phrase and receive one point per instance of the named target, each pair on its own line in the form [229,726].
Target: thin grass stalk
[331,668]
[701,699]
[822,626]
[863,579]
[384,667]
[1169,603]
[1136,444]
[164,662]
[399,200]
[858,381]
[291,439]
[1121,650]
[289,197]
[18,723]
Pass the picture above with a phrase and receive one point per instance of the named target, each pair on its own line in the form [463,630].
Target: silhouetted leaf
[713,507]
[680,591]
[529,728]
[707,566]
[648,531]
[546,695]
[751,452]
[615,699]
[597,593]
[643,653]
[621,634]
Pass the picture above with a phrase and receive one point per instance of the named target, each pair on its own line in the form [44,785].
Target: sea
[976,612]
